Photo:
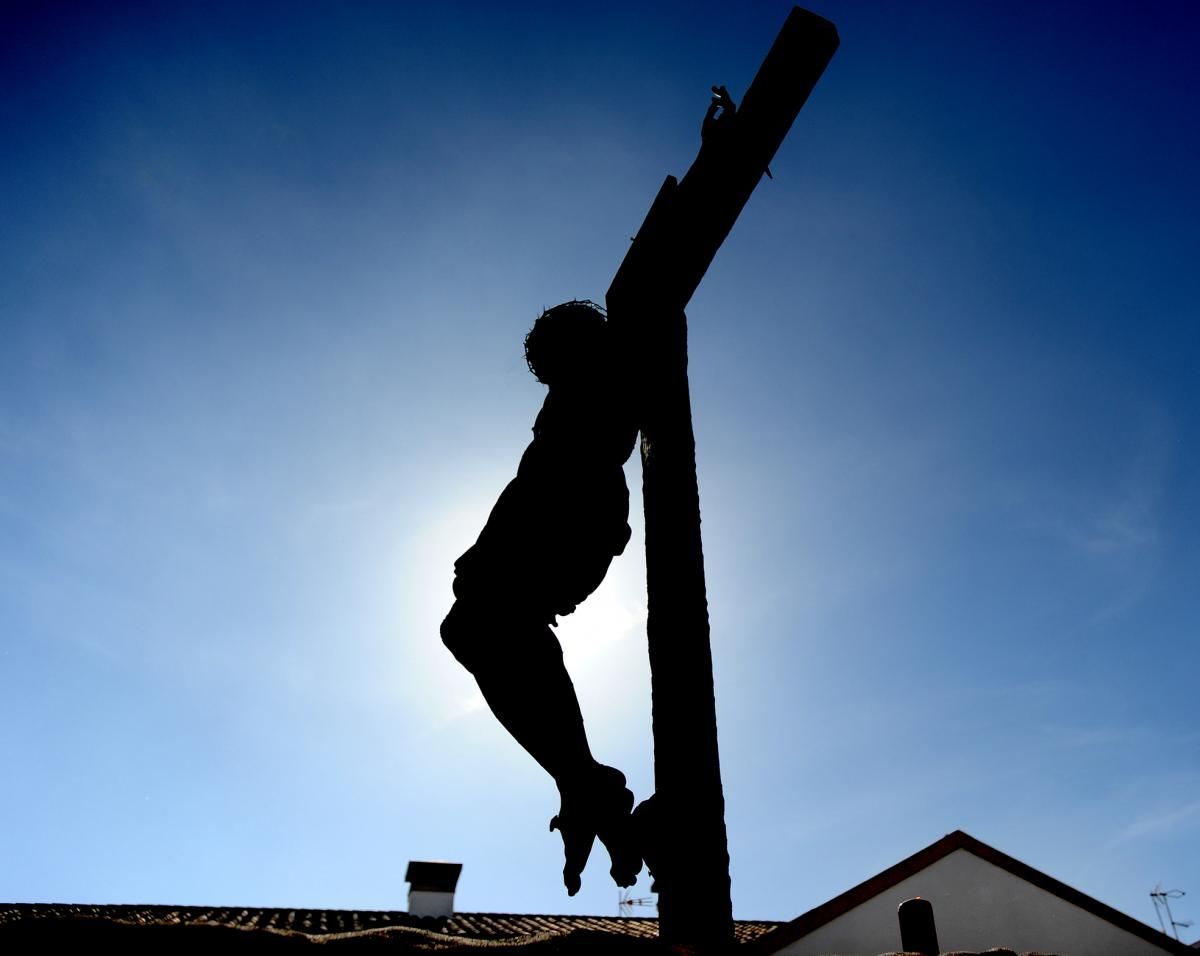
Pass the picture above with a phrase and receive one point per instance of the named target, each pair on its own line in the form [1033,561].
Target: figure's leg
[521,674]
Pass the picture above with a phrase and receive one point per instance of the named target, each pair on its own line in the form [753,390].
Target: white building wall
[976,906]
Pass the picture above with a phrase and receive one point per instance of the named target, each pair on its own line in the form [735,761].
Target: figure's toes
[645,827]
[620,839]
[577,847]
[625,877]
[626,865]
[571,881]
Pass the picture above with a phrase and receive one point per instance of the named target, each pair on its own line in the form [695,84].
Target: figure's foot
[645,825]
[616,833]
[599,807]
[577,847]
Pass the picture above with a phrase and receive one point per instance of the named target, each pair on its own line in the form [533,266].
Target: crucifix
[558,524]
[685,226]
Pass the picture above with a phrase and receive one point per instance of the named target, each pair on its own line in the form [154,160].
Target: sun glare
[610,616]
[601,632]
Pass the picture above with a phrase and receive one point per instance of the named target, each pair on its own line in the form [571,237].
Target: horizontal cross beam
[689,220]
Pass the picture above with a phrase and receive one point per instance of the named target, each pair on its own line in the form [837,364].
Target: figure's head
[566,342]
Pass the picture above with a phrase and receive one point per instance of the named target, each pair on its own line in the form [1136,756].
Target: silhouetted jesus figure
[546,546]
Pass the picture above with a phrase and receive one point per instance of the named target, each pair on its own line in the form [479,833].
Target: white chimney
[431,887]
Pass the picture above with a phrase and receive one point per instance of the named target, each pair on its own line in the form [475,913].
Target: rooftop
[43,923]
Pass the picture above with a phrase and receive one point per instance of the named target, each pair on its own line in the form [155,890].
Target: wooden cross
[685,226]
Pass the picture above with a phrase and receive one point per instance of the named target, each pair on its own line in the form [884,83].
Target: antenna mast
[1162,903]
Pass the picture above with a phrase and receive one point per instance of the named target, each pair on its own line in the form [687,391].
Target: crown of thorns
[558,327]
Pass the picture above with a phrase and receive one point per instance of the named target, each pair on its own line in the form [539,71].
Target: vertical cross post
[685,226]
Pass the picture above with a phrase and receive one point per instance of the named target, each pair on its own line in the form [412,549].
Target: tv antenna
[1162,902]
[626,903]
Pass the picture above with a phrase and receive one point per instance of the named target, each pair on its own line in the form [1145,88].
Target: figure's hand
[720,110]
[723,100]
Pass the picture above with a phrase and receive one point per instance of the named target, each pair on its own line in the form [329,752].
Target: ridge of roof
[830,910]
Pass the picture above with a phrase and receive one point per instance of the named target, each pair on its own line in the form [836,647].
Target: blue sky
[264,276]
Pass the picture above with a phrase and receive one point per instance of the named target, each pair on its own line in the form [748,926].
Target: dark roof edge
[830,910]
[958,840]
[1071,895]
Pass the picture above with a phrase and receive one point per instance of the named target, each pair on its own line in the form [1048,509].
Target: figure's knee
[485,639]
[461,635]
